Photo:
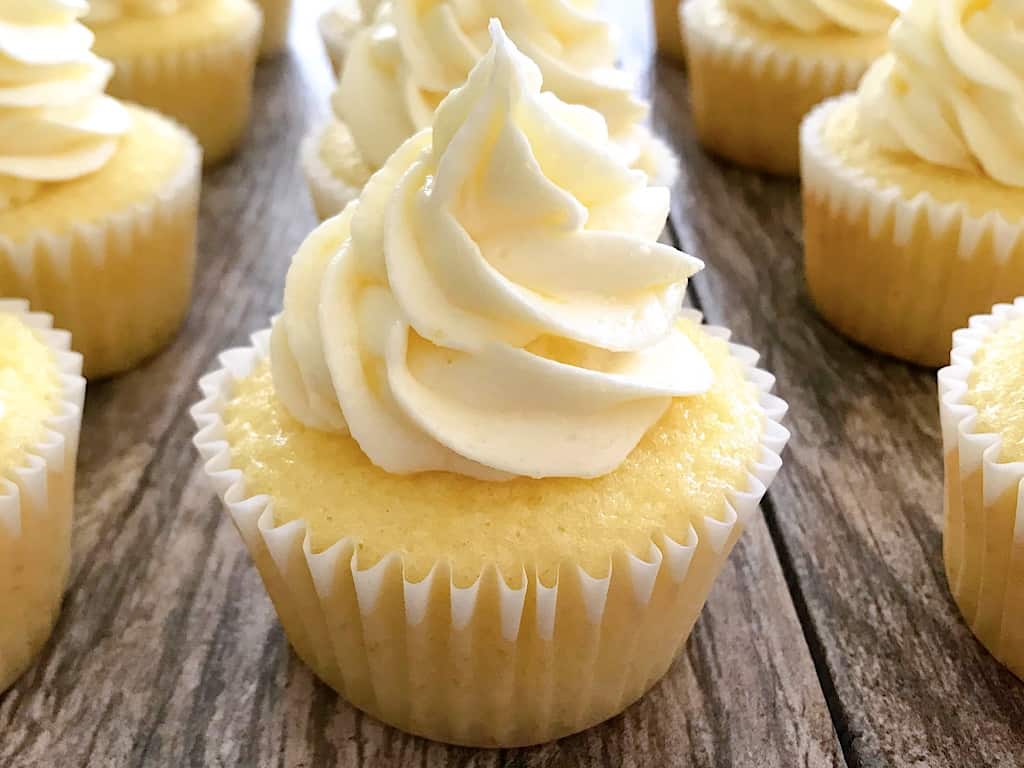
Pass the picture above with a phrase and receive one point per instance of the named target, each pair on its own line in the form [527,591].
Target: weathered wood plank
[857,510]
[168,652]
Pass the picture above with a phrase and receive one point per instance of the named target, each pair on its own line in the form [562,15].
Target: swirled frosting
[401,67]
[951,89]
[499,304]
[858,16]
[56,124]
[104,11]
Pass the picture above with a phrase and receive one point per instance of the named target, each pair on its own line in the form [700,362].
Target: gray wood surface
[828,641]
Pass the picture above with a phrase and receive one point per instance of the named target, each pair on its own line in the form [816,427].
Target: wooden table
[830,640]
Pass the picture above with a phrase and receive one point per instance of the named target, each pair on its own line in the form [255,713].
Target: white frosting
[416,52]
[56,124]
[951,90]
[474,259]
[860,16]
[103,11]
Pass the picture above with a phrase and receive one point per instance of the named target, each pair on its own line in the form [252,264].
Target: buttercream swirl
[104,11]
[56,124]
[951,89]
[400,68]
[858,16]
[500,305]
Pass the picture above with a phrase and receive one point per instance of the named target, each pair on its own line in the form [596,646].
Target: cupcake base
[329,192]
[750,88]
[983,542]
[503,659]
[669,29]
[887,263]
[195,66]
[276,21]
[36,503]
[111,255]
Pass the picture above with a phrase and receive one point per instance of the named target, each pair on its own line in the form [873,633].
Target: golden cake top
[29,387]
[951,89]
[811,16]
[56,124]
[996,388]
[103,11]
[502,306]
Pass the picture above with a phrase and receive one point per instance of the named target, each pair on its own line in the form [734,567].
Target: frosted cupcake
[669,30]
[339,25]
[757,67]
[276,19]
[490,481]
[398,70]
[983,432]
[914,188]
[41,394]
[192,60]
[97,199]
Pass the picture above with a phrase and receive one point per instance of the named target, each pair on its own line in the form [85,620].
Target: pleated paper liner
[121,284]
[36,503]
[749,96]
[983,544]
[895,273]
[208,88]
[510,660]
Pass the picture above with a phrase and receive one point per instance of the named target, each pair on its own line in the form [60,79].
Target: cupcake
[668,28]
[983,434]
[192,60]
[41,394]
[276,17]
[914,187]
[98,200]
[400,68]
[340,23]
[489,494]
[756,68]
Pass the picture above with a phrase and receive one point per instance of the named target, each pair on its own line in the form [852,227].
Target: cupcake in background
[757,68]
[192,60]
[98,199]
[668,27]
[983,434]
[41,395]
[914,187]
[485,463]
[400,68]
[277,16]
[340,23]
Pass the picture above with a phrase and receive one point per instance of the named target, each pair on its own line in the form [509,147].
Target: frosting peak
[499,305]
[858,16]
[56,124]
[951,90]
[417,51]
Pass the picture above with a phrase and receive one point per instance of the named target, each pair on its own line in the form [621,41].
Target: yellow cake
[399,68]
[41,394]
[97,217]
[669,30]
[487,530]
[980,399]
[276,19]
[192,60]
[913,217]
[757,68]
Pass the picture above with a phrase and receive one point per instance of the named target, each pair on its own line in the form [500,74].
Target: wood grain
[857,513]
[168,652]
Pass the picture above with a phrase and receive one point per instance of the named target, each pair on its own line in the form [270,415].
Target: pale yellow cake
[120,278]
[28,390]
[996,389]
[195,65]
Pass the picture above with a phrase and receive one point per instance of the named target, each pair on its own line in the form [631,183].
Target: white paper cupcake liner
[36,502]
[118,242]
[489,664]
[329,194]
[984,537]
[849,192]
[716,41]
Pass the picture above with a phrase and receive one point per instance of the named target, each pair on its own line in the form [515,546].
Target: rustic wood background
[830,639]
